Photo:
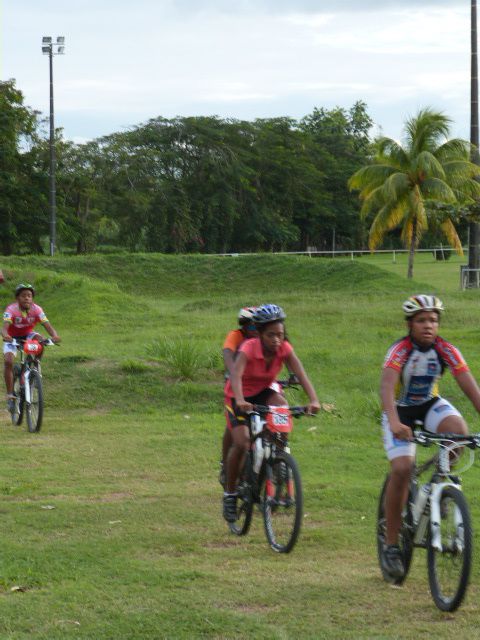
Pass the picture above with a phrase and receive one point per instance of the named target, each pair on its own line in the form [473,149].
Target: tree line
[215,185]
[186,184]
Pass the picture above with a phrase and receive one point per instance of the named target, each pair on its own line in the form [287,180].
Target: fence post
[394,258]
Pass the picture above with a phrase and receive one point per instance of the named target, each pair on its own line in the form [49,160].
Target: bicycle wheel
[244,501]
[17,413]
[34,408]
[449,569]
[405,541]
[282,502]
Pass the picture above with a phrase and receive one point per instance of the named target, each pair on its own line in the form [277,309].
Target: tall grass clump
[184,358]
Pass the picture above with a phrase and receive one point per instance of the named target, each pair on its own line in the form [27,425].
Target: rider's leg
[236,455]
[8,372]
[226,444]
[453,424]
[396,495]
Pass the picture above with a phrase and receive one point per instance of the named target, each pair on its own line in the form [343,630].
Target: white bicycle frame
[27,370]
[433,516]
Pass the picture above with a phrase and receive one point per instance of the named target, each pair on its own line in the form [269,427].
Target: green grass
[134,546]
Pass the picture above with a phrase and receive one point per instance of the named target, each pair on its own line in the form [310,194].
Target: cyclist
[232,341]
[257,364]
[412,368]
[19,320]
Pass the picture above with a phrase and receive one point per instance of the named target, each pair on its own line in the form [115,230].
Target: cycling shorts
[8,347]
[431,413]
[234,418]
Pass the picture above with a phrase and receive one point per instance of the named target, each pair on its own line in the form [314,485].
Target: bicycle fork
[435,517]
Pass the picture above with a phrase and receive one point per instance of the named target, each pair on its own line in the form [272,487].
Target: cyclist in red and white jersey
[409,391]
[19,321]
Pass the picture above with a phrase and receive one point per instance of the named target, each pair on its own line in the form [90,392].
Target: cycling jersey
[22,322]
[256,377]
[421,368]
[233,340]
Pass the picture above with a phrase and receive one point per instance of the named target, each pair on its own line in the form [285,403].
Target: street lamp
[50,49]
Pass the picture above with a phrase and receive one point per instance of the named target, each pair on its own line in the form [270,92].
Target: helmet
[268,313]
[415,304]
[21,287]
[245,315]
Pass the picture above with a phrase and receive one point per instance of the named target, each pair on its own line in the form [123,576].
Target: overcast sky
[130,60]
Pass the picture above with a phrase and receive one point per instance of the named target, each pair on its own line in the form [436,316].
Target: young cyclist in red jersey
[232,341]
[412,368]
[19,320]
[257,364]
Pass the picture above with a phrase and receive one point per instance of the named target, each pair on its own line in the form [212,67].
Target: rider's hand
[244,407]
[313,407]
[7,338]
[401,431]
[55,339]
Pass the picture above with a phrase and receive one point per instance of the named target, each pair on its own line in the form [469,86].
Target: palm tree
[429,167]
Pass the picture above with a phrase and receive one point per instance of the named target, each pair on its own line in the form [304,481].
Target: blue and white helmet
[268,313]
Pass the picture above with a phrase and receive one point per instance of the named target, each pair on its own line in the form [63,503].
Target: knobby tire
[405,541]
[241,525]
[17,414]
[282,502]
[449,569]
[34,409]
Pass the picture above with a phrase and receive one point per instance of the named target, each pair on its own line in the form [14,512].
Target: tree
[402,179]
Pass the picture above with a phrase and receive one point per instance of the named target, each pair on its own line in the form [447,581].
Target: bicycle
[436,518]
[27,383]
[271,479]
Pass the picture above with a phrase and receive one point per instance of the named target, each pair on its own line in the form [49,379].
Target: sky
[127,61]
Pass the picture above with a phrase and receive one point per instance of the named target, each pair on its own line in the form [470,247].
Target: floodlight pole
[51,48]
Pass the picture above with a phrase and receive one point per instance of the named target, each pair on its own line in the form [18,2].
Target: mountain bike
[27,383]
[437,518]
[271,479]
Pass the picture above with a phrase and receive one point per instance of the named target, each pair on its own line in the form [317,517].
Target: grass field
[111,524]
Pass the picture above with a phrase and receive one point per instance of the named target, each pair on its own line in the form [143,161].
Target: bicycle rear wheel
[244,501]
[17,413]
[449,569]
[34,409]
[282,502]
[405,541]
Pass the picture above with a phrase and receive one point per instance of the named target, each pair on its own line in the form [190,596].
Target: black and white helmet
[422,302]
[268,313]
[245,315]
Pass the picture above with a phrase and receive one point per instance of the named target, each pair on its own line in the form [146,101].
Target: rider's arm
[229,360]
[390,378]
[51,331]
[295,366]
[236,382]
[469,386]
[5,335]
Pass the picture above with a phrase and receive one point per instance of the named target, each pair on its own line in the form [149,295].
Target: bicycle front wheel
[405,541]
[282,502]
[449,569]
[34,408]
[17,413]
[241,525]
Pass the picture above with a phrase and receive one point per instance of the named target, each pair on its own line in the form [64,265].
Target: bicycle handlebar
[296,412]
[426,438]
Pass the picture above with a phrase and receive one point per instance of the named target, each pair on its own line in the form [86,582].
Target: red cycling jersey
[23,322]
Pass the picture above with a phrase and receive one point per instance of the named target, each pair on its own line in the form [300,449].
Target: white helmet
[245,315]
[422,302]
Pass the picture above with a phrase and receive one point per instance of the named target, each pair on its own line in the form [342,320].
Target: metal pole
[52,192]
[474,227]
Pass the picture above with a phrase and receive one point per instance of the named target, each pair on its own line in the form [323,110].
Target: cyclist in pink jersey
[257,364]
[19,321]
[409,392]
